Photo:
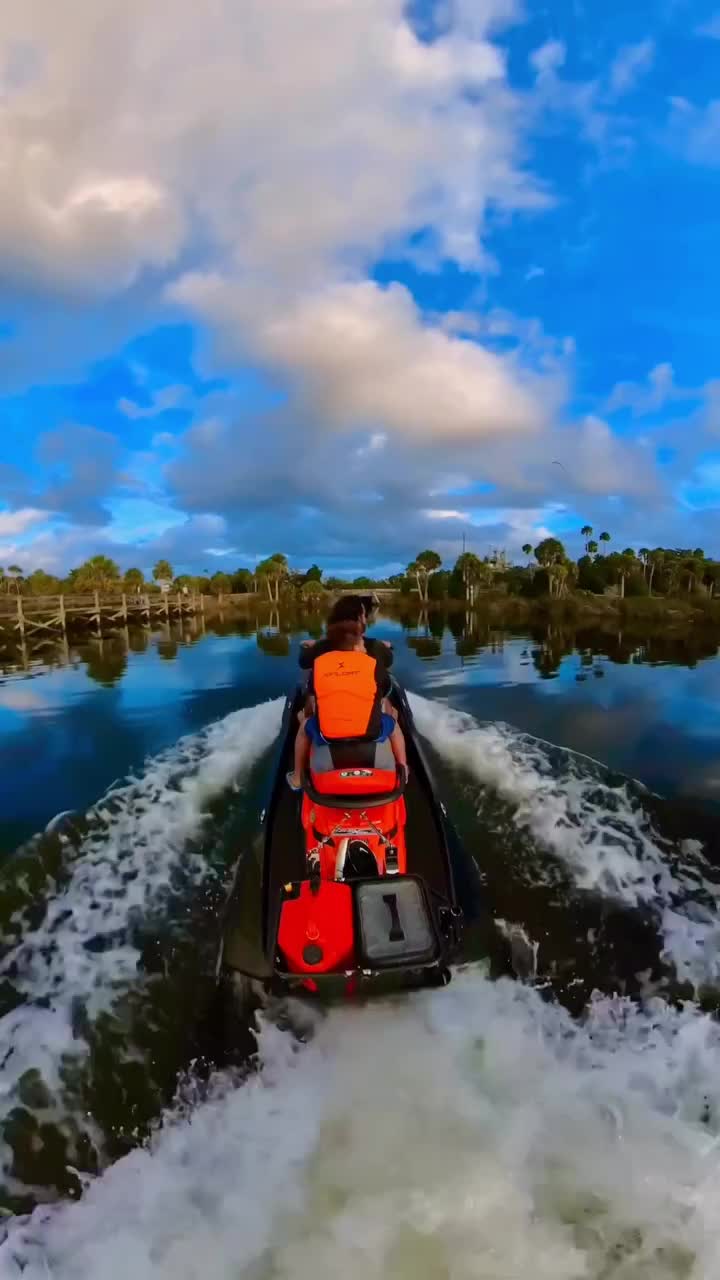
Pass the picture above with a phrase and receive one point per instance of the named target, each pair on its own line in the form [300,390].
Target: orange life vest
[346,692]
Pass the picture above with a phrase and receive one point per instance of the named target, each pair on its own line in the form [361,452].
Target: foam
[139,836]
[472,1132]
[596,826]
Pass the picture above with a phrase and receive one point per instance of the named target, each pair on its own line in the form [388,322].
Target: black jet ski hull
[272,874]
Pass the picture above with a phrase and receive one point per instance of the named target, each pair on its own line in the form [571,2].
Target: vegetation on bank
[428,631]
[272,577]
[598,575]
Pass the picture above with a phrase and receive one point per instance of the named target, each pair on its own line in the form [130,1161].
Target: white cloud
[533,273]
[13,523]
[281,137]
[280,148]
[436,513]
[645,398]
[662,390]
[361,355]
[630,64]
[548,58]
[695,131]
[283,148]
[163,399]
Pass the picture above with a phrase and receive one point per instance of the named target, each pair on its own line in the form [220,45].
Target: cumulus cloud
[13,523]
[280,479]
[280,136]
[362,355]
[647,397]
[81,466]
[630,64]
[661,390]
[548,58]
[160,401]
[253,161]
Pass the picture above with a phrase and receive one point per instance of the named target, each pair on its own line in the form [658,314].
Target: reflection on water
[427,632]
[473,635]
[78,713]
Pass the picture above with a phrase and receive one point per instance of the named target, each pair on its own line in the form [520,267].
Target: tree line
[659,571]
[272,578]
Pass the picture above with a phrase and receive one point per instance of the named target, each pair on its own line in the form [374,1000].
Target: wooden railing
[53,613]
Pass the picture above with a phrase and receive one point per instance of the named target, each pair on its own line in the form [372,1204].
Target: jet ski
[358,883]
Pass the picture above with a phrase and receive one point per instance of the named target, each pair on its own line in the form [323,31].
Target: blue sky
[347,281]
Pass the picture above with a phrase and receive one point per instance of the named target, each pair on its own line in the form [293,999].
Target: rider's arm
[381,650]
[309,651]
[306,656]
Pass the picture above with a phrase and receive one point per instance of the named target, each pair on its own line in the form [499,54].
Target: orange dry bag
[346,693]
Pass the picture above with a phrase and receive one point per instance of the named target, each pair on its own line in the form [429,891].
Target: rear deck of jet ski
[273,878]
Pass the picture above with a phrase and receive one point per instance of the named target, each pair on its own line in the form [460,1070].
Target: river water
[562,1126]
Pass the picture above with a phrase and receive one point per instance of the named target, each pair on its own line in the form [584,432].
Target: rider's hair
[347,609]
[344,633]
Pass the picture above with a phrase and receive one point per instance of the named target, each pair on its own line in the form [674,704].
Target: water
[562,1126]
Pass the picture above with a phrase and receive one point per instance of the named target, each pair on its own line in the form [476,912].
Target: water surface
[563,1126]
[71,724]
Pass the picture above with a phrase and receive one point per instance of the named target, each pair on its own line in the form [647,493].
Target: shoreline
[588,609]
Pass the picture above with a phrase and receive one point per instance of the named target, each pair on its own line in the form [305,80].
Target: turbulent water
[472,1133]
[564,1126]
[75,971]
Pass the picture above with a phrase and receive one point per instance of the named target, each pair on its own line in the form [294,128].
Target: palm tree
[604,537]
[711,576]
[163,571]
[474,572]
[673,570]
[272,571]
[14,573]
[420,568]
[556,574]
[428,562]
[263,573]
[586,533]
[550,551]
[134,580]
[527,549]
[99,573]
[592,548]
[656,559]
[692,566]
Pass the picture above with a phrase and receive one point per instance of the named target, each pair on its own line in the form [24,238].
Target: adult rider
[348,690]
[347,609]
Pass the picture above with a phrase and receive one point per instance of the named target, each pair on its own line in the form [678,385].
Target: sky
[350,278]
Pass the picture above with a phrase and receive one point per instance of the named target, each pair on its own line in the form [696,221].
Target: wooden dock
[24,616]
